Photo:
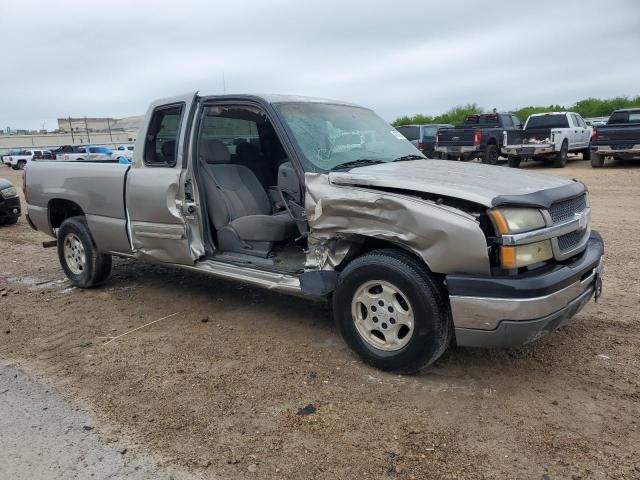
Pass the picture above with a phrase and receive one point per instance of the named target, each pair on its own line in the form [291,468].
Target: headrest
[214,151]
[168,149]
[247,149]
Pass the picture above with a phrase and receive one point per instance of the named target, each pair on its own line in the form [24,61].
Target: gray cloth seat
[238,205]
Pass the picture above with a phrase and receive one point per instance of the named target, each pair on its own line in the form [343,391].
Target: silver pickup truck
[324,199]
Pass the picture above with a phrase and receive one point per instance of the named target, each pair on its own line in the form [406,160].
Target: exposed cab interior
[251,195]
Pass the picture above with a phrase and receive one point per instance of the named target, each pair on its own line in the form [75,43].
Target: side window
[574,117]
[234,133]
[516,122]
[161,145]
[581,121]
[506,121]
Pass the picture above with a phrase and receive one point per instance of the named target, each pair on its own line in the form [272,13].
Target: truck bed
[531,136]
[97,186]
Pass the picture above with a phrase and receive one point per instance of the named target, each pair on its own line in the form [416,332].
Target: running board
[270,280]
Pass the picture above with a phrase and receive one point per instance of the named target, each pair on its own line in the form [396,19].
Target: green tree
[589,107]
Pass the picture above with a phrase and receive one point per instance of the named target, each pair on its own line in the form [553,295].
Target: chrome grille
[565,209]
[570,240]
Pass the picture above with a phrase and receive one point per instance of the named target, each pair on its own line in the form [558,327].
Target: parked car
[9,203]
[19,160]
[44,155]
[619,138]
[480,136]
[87,153]
[65,149]
[123,153]
[4,159]
[549,136]
[410,252]
[423,136]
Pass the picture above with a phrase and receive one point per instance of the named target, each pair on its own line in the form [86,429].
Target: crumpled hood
[474,182]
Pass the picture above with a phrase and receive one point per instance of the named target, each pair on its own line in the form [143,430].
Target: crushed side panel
[448,242]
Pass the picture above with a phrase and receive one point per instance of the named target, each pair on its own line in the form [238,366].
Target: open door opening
[251,195]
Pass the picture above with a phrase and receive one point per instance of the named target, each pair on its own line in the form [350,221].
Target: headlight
[516,220]
[9,192]
[509,221]
[523,255]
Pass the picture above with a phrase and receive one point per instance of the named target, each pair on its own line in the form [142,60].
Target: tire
[514,161]
[586,154]
[597,161]
[491,155]
[420,298]
[11,220]
[78,255]
[561,156]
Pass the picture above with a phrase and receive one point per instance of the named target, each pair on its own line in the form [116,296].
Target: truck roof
[549,113]
[280,98]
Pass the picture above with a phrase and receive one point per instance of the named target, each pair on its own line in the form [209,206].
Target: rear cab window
[161,143]
[482,119]
[548,121]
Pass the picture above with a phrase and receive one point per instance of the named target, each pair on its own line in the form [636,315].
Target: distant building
[105,124]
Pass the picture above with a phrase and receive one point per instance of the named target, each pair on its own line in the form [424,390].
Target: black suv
[9,203]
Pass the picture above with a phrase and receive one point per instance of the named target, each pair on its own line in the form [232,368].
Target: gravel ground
[215,389]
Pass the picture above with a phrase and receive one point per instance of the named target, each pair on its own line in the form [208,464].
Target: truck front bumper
[9,207]
[528,151]
[511,311]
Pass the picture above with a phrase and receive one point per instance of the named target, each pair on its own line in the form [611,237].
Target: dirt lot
[216,388]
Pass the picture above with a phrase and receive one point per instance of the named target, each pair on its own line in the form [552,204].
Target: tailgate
[618,135]
[456,137]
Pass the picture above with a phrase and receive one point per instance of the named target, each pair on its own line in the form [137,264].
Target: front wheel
[392,312]
[78,255]
[514,161]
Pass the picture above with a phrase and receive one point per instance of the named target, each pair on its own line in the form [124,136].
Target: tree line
[589,107]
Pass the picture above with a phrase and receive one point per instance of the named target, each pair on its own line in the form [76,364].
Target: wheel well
[61,209]
[368,244]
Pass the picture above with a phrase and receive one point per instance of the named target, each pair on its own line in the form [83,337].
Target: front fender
[448,240]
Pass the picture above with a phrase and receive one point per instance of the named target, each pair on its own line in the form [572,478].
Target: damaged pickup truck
[325,199]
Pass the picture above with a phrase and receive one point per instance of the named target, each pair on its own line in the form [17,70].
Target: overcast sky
[111,58]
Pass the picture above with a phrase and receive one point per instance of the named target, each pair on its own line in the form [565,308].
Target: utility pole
[109,127]
[73,140]
[86,127]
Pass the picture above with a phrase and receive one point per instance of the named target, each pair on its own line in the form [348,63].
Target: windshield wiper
[357,163]
[412,156]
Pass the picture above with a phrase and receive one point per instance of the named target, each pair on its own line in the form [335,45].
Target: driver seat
[238,205]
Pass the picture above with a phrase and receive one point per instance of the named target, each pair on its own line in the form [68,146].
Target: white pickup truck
[20,159]
[548,136]
[87,153]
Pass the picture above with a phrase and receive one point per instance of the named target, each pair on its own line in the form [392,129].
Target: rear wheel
[597,161]
[514,161]
[391,312]
[10,220]
[78,255]
[491,155]
[586,153]
[561,156]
